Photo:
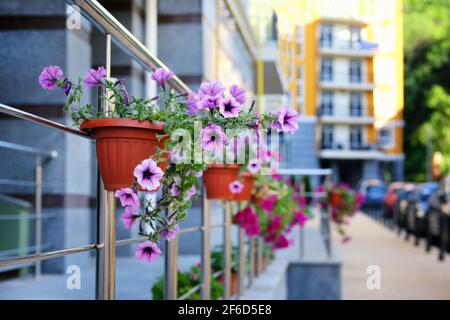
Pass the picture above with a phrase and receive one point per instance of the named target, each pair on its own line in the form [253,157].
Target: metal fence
[106,243]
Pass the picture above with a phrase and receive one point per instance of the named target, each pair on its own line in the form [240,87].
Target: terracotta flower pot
[217,179]
[121,145]
[248,180]
[336,199]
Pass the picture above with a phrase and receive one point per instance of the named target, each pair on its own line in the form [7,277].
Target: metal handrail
[28,149]
[105,22]
[36,119]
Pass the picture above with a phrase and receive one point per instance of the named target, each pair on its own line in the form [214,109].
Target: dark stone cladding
[59,200]
[179,18]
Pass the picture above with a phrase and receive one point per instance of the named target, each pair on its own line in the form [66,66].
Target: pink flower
[191,191]
[129,217]
[148,251]
[274,225]
[192,104]
[210,94]
[128,197]
[161,76]
[237,93]
[49,76]
[174,190]
[281,242]
[287,120]
[360,199]
[302,201]
[300,217]
[148,174]
[94,77]
[213,138]
[169,233]
[229,108]
[268,204]
[253,166]
[194,276]
[275,175]
[236,187]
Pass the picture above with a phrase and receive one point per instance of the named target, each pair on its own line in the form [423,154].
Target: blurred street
[407,271]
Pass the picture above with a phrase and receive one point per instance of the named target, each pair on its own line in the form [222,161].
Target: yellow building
[343,61]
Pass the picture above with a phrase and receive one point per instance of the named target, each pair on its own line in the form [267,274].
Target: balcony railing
[106,243]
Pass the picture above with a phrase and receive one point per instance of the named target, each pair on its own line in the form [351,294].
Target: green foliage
[427,82]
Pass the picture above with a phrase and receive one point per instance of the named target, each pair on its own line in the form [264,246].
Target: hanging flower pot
[121,145]
[336,199]
[218,178]
[248,180]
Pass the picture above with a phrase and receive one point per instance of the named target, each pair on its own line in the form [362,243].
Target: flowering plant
[345,202]
[214,117]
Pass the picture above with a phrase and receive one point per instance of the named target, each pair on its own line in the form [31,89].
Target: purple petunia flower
[169,233]
[236,187]
[210,94]
[253,166]
[237,93]
[193,106]
[174,190]
[192,191]
[94,77]
[287,120]
[148,251]
[211,89]
[129,217]
[213,138]
[49,76]
[148,174]
[161,76]
[229,107]
[67,87]
[128,197]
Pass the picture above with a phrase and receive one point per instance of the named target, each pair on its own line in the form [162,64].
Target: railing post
[251,261]
[206,248]
[171,269]
[326,220]
[38,214]
[259,255]
[227,248]
[301,230]
[241,253]
[106,217]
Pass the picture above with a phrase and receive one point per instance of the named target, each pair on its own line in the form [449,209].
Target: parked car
[401,205]
[374,191]
[438,221]
[417,209]
[390,198]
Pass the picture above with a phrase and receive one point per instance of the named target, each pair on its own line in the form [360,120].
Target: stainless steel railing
[39,154]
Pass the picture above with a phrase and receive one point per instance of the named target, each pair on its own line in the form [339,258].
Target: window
[356,134]
[326,70]
[386,138]
[327,137]
[356,108]
[355,71]
[355,38]
[326,103]
[326,36]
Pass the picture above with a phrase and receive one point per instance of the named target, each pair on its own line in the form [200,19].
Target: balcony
[346,119]
[345,85]
[361,49]
[359,152]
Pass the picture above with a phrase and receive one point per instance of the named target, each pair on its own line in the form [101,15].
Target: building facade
[343,61]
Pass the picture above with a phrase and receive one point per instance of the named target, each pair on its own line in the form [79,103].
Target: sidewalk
[407,271]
